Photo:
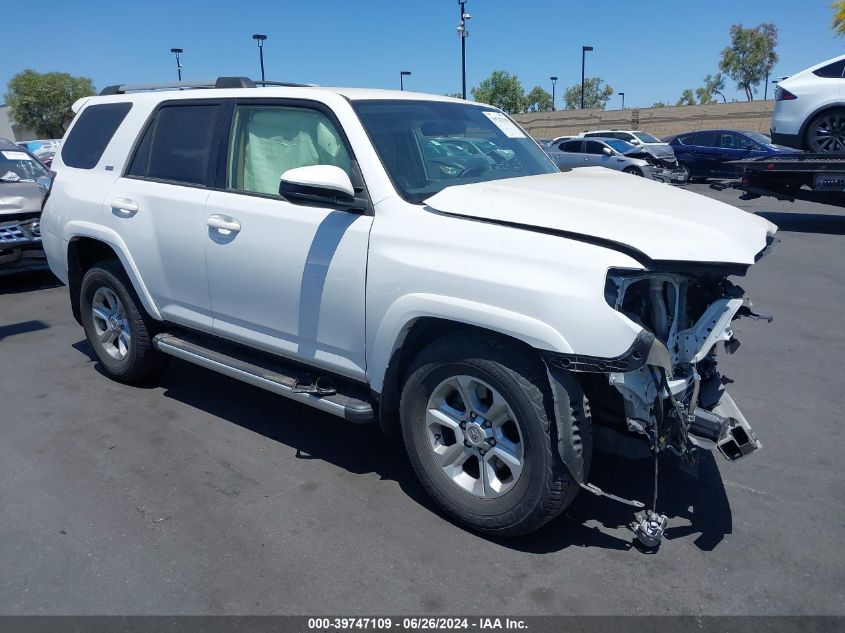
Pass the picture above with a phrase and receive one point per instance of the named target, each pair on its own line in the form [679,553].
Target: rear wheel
[117,327]
[477,423]
[826,133]
[634,171]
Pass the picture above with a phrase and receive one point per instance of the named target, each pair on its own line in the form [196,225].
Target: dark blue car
[705,154]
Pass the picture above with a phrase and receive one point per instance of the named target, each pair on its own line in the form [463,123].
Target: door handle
[124,205]
[223,224]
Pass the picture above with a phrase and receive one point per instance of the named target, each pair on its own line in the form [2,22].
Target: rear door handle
[125,206]
[224,225]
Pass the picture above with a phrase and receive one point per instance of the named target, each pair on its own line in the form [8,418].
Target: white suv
[810,108]
[313,242]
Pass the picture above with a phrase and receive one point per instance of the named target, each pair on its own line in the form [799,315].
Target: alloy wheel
[474,436]
[110,323]
[827,134]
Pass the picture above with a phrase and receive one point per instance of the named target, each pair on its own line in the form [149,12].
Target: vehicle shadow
[806,222]
[24,327]
[700,505]
[28,282]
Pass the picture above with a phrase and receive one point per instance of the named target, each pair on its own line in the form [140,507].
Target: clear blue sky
[650,49]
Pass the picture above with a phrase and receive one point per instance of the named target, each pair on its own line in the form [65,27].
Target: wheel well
[82,254]
[417,336]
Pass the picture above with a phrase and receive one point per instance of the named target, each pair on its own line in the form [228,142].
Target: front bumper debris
[20,246]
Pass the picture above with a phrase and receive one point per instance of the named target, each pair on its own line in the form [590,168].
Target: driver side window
[269,140]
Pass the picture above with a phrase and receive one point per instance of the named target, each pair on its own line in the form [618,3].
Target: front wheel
[687,173]
[117,327]
[477,424]
[634,171]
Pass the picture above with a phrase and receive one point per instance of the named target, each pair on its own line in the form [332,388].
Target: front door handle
[223,224]
[124,206]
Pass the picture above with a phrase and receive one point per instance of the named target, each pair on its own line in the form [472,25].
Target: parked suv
[506,320]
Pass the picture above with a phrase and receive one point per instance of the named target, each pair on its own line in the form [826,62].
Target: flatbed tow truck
[809,177]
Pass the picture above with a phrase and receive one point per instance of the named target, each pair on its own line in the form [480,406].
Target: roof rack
[220,82]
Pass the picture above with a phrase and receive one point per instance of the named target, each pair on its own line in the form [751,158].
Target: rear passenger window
[834,70]
[593,147]
[707,139]
[183,144]
[91,134]
[571,146]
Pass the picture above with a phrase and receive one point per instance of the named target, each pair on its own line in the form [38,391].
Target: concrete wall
[751,115]
[11,130]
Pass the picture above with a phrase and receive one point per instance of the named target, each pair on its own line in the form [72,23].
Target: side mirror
[607,151]
[318,180]
[634,141]
[45,182]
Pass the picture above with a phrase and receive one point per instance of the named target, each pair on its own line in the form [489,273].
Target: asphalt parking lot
[202,495]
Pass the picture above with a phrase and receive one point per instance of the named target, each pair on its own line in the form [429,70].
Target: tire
[687,173]
[497,372]
[121,333]
[634,171]
[826,133]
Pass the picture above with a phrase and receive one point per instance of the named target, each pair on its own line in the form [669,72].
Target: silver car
[23,183]
[604,152]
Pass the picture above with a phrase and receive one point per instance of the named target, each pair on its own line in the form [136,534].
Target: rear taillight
[782,94]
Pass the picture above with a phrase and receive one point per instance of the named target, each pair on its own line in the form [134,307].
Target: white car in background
[810,109]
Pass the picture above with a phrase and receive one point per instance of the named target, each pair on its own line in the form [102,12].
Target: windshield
[620,146]
[645,137]
[21,164]
[426,146]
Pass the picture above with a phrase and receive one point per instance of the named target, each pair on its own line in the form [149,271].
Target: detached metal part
[650,527]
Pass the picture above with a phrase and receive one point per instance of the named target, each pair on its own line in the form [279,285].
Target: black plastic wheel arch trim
[632,359]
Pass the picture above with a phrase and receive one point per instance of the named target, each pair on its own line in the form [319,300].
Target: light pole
[402,75]
[463,34]
[584,51]
[622,94]
[258,37]
[178,52]
[766,87]
[554,81]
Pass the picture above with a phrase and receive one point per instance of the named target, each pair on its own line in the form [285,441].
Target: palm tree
[838,16]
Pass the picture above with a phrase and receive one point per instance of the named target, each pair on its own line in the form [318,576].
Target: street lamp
[554,81]
[622,94]
[584,51]
[463,34]
[402,75]
[177,52]
[258,37]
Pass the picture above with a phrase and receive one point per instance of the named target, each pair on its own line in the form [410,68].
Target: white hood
[660,221]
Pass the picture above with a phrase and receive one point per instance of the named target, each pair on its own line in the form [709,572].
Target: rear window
[182,145]
[834,70]
[91,134]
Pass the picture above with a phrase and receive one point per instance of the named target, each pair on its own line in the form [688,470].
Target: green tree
[659,104]
[502,90]
[454,95]
[42,101]
[687,98]
[596,94]
[838,17]
[537,100]
[713,85]
[751,56]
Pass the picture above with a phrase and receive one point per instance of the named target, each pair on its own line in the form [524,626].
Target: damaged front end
[665,392]
[676,397]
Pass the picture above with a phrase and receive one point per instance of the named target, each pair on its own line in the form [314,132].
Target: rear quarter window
[832,71]
[92,133]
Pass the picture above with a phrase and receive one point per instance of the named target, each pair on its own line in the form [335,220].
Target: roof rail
[220,82]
